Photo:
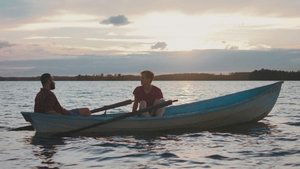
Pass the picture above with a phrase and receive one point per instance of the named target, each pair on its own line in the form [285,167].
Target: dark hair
[45,77]
[148,74]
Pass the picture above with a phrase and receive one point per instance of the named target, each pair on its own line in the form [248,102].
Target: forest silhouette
[263,74]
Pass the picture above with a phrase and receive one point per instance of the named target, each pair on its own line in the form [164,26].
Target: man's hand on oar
[121,117]
[104,108]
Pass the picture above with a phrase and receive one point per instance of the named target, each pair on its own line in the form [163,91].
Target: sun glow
[186,32]
[177,30]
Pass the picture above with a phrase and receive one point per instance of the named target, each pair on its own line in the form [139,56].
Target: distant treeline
[263,74]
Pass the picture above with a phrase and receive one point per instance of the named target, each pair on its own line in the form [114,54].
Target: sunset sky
[70,37]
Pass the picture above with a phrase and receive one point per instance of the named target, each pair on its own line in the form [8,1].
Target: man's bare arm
[135,105]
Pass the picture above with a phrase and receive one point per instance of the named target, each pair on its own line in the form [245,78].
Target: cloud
[221,60]
[21,51]
[19,9]
[274,7]
[118,20]
[159,45]
[129,40]
[40,50]
[229,46]
[260,47]
[232,47]
[4,44]
[47,37]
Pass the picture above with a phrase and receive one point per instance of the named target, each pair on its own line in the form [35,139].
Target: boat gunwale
[249,99]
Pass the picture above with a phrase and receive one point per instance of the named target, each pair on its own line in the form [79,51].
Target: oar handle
[123,103]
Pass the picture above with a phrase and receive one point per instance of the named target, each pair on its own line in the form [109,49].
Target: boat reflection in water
[45,149]
[99,149]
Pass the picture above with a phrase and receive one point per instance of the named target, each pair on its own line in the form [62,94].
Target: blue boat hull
[241,107]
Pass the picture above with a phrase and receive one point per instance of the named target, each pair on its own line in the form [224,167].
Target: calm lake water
[274,142]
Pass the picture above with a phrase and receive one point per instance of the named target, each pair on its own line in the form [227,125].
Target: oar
[119,104]
[124,116]
[28,128]
[107,107]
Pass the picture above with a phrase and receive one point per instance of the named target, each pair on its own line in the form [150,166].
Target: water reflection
[45,149]
[252,129]
[273,142]
[163,148]
[140,148]
[138,142]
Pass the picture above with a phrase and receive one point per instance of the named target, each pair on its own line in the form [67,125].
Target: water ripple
[220,157]
[168,155]
[278,153]
[293,123]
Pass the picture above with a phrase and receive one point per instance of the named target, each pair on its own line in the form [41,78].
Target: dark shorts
[74,112]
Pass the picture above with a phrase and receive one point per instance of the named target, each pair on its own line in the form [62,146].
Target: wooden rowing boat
[246,106]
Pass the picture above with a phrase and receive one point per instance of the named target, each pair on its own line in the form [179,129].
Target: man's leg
[159,112]
[84,111]
[80,111]
[143,105]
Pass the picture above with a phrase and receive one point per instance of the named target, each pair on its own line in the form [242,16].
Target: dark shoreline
[263,74]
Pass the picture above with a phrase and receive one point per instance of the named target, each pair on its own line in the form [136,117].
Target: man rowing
[46,101]
[147,95]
